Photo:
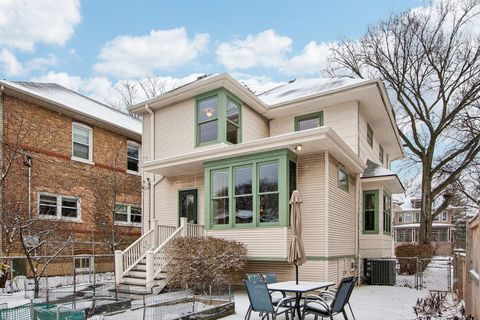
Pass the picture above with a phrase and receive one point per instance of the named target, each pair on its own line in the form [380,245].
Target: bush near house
[405,254]
[200,262]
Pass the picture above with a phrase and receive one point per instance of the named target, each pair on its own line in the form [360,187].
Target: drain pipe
[152,130]
[152,200]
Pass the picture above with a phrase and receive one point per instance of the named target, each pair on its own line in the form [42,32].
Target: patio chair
[271,277]
[330,303]
[261,301]
[255,277]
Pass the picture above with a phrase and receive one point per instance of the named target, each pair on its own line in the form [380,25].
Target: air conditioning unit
[380,271]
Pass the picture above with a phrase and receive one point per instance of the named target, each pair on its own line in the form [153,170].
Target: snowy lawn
[368,302]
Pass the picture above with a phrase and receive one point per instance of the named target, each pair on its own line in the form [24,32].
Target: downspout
[151,192]
[357,224]
[152,200]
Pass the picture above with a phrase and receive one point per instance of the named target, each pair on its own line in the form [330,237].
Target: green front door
[187,205]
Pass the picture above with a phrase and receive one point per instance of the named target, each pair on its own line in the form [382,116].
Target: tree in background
[429,60]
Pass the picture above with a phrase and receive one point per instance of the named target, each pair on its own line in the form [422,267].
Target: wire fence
[434,274]
[71,272]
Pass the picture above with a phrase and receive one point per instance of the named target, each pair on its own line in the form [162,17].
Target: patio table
[299,289]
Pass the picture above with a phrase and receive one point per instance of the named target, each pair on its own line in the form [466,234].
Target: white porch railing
[151,246]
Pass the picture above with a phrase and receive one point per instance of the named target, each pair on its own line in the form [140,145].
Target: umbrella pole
[296,272]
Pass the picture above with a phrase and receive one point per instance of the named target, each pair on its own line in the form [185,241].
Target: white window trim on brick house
[129,222]
[136,145]
[58,215]
[90,143]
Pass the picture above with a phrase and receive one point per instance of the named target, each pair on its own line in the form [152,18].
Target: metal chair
[270,277]
[261,301]
[330,303]
[255,277]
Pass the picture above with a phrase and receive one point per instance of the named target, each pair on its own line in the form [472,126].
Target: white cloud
[265,49]
[24,23]
[311,61]
[137,56]
[41,63]
[9,63]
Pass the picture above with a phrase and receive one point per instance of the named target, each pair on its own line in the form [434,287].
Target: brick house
[71,161]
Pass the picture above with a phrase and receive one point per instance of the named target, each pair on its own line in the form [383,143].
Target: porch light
[298,148]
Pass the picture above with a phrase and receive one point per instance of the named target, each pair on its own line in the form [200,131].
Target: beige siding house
[221,159]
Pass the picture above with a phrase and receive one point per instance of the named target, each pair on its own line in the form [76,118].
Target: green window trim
[309,116]
[282,157]
[344,172]
[375,193]
[369,135]
[223,96]
[380,153]
[387,214]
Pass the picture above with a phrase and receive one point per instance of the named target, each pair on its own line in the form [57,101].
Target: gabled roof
[77,104]
[301,88]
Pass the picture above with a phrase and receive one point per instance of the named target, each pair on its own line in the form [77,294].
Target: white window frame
[444,216]
[129,215]
[59,216]
[139,147]
[90,142]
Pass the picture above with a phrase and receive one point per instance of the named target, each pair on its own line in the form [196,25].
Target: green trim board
[342,174]
[222,96]
[369,135]
[196,199]
[387,214]
[309,116]
[282,158]
[375,194]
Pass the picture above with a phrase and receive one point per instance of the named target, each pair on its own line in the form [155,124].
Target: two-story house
[407,222]
[228,159]
[68,161]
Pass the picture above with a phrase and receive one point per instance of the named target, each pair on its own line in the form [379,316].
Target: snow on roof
[300,88]
[76,102]
[376,170]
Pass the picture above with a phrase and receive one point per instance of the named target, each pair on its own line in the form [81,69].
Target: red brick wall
[46,136]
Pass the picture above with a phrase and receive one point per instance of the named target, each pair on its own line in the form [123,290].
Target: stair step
[133,281]
[139,267]
[137,273]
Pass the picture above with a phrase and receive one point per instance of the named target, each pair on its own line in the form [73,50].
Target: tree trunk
[426,210]
[36,286]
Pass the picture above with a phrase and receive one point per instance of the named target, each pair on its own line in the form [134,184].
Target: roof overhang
[369,93]
[312,141]
[392,182]
[66,110]
[223,80]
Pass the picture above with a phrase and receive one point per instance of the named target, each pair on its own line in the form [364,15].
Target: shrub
[407,255]
[200,262]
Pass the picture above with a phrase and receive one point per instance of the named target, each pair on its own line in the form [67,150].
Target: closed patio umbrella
[296,252]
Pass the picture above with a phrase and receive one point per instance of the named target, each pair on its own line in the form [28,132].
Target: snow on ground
[368,302]
[13,300]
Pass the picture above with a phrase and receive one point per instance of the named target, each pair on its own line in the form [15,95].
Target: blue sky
[91,45]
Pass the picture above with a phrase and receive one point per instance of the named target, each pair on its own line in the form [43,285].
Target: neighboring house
[223,157]
[72,149]
[407,222]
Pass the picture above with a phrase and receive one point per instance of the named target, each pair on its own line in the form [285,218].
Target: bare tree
[134,91]
[429,60]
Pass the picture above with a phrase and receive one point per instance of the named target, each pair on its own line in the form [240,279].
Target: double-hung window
[309,121]
[370,211]
[133,157]
[233,121]
[268,191]
[58,206]
[220,198]
[128,214]
[380,153]
[342,178]
[207,120]
[81,142]
[387,213]
[243,194]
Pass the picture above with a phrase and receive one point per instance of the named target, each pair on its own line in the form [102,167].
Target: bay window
[370,211]
[250,191]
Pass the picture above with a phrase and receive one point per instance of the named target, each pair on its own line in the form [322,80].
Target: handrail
[159,258]
[136,251]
